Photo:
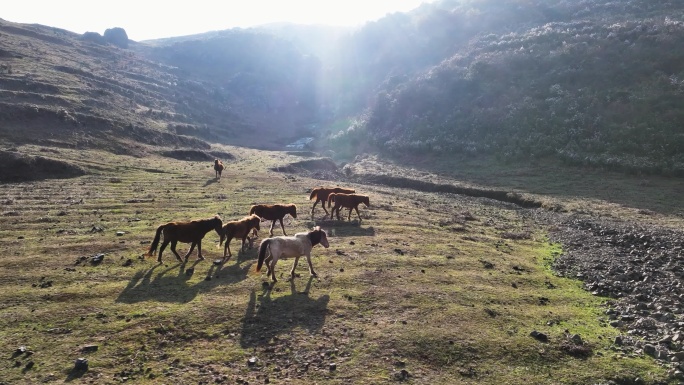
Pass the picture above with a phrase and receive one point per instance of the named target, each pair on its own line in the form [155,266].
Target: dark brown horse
[273,213]
[187,232]
[218,167]
[350,201]
[238,229]
[321,195]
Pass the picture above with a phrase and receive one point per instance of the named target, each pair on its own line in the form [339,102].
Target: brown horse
[290,247]
[321,195]
[273,213]
[238,229]
[218,167]
[187,232]
[350,201]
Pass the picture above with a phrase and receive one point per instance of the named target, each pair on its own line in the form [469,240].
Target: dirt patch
[188,154]
[499,195]
[319,164]
[303,154]
[222,155]
[17,167]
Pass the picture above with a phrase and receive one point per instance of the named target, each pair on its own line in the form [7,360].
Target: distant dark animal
[321,195]
[238,229]
[273,213]
[288,247]
[350,201]
[218,167]
[188,232]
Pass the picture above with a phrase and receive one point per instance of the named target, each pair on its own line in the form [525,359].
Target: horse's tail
[155,242]
[314,193]
[252,210]
[331,198]
[262,253]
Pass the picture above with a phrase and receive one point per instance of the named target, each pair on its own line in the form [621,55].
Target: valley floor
[428,288]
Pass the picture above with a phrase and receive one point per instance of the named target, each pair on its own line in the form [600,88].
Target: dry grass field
[429,288]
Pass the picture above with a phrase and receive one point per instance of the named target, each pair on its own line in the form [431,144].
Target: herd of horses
[270,249]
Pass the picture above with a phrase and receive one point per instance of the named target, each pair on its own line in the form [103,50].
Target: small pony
[187,232]
[238,229]
[350,201]
[287,247]
[321,195]
[218,167]
[273,213]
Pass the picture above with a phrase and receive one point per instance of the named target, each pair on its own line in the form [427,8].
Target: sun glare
[156,19]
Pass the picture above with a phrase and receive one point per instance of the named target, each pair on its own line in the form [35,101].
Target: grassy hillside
[591,83]
[428,288]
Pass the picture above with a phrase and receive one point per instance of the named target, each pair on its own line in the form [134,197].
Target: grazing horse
[287,247]
[273,213]
[187,232]
[350,201]
[238,229]
[321,195]
[218,167]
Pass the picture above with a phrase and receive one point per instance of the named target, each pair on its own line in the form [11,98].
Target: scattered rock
[128,262]
[539,336]
[81,364]
[89,348]
[97,258]
[639,266]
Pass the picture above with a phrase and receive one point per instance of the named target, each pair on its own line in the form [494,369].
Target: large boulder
[93,37]
[117,36]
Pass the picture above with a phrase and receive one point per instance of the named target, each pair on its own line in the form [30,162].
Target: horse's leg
[311,270]
[185,258]
[161,250]
[357,213]
[273,263]
[282,226]
[314,206]
[270,232]
[338,211]
[267,261]
[200,257]
[244,239]
[350,211]
[294,266]
[227,248]
[324,209]
[173,248]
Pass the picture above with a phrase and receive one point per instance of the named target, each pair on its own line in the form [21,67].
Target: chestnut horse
[273,213]
[321,195]
[187,232]
[218,167]
[350,201]
[238,229]
[288,247]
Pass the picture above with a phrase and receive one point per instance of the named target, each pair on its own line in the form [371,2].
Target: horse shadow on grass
[345,229]
[211,181]
[172,284]
[266,318]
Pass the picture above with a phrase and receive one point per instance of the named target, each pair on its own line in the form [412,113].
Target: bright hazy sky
[151,19]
